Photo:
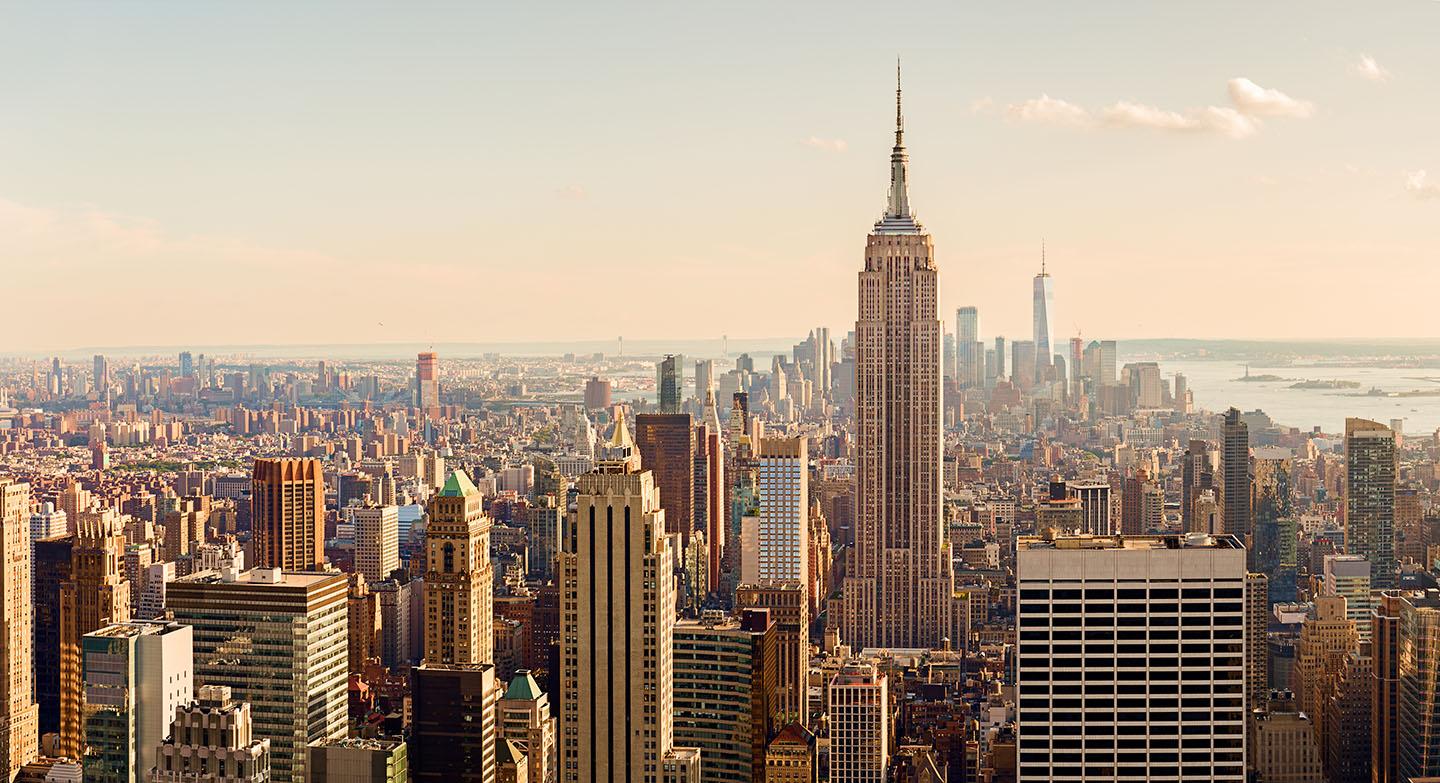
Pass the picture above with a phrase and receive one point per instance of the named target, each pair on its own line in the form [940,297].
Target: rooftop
[1155,542]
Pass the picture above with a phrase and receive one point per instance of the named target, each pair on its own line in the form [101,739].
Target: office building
[725,678]
[1417,703]
[1385,686]
[359,760]
[427,383]
[617,626]
[859,713]
[790,612]
[212,740]
[377,541]
[455,689]
[790,756]
[1349,576]
[670,383]
[1044,299]
[525,718]
[1326,640]
[712,491]
[597,394]
[136,675]
[900,583]
[1235,479]
[287,499]
[969,350]
[1370,498]
[96,595]
[1282,747]
[1022,364]
[1257,642]
[1094,497]
[280,642]
[1130,646]
[18,712]
[667,448]
[53,558]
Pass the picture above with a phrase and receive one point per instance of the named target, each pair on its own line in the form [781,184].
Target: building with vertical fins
[900,583]
[1235,481]
[287,499]
[617,627]
[18,712]
[1044,297]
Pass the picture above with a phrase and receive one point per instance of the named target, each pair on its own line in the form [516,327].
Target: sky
[181,173]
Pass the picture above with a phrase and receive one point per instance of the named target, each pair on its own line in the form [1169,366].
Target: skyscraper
[18,713]
[970,352]
[1235,481]
[859,712]
[1044,297]
[459,578]
[136,674]
[279,641]
[900,584]
[784,509]
[377,541]
[427,383]
[455,689]
[666,442]
[287,500]
[1100,680]
[670,383]
[96,595]
[1370,498]
[617,624]
[724,683]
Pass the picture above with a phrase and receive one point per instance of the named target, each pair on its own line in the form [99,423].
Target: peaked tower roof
[897,218]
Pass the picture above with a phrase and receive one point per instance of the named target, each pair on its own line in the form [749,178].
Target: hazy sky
[199,172]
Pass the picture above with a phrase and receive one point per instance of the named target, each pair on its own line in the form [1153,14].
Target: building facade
[287,499]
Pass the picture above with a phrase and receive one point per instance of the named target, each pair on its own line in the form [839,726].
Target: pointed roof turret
[898,219]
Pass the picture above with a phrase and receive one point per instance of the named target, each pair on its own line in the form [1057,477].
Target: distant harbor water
[1215,387]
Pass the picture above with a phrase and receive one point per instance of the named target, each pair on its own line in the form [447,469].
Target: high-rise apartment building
[858,709]
[1094,497]
[1417,703]
[377,541]
[427,383]
[279,641]
[1235,479]
[18,712]
[1370,498]
[287,500]
[783,475]
[53,558]
[1044,299]
[1257,645]
[136,675]
[1131,659]
[900,583]
[1385,687]
[96,595]
[617,625]
[212,739]
[725,677]
[1282,746]
[1326,640]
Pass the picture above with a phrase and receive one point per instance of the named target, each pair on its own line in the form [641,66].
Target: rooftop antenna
[1042,256]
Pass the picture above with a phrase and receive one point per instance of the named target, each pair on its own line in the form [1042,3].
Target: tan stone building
[288,514]
[18,711]
[900,582]
[96,595]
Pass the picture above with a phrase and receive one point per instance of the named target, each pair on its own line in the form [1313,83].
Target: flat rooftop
[1114,543]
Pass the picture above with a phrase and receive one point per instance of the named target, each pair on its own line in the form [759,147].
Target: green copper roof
[458,485]
[523,687]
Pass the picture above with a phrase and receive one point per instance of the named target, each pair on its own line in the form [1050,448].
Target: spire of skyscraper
[899,194]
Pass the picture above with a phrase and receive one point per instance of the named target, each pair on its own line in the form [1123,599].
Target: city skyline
[1260,171]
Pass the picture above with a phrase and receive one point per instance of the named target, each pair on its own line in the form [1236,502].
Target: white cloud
[1419,185]
[829,145]
[1243,119]
[1050,111]
[1367,68]
[1253,99]
[1215,119]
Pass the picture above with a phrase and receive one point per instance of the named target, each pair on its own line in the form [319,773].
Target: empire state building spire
[899,206]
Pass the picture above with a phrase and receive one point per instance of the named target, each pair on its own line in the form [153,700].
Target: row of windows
[1197,722]
[1163,648]
[1043,688]
[1236,632]
[1100,701]
[1151,607]
[1129,593]
[1197,668]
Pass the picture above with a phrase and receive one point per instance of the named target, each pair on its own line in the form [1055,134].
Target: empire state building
[900,585]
